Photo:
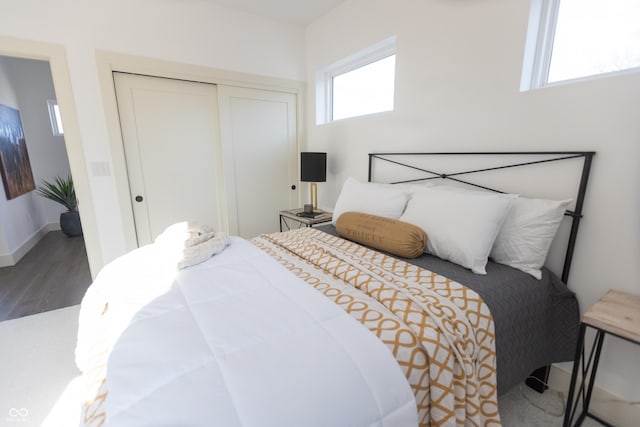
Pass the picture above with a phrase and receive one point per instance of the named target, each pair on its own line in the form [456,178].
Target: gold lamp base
[313,193]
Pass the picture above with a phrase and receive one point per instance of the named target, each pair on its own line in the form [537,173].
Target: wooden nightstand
[289,217]
[616,313]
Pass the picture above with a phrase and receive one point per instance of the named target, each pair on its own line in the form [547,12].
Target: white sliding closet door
[259,143]
[173,152]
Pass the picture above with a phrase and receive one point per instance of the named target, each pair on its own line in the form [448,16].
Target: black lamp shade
[313,167]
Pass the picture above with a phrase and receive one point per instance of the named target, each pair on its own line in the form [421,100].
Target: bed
[307,328]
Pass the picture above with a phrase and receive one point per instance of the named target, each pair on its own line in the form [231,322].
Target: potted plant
[62,191]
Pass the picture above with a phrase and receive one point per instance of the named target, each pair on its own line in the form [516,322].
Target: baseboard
[609,407]
[6,260]
[52,226]
[11,259]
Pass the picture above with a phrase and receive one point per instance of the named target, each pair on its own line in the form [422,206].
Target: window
[361,84]
[571,39]
[365,90]
[54,115]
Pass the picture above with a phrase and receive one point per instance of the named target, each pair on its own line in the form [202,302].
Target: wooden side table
[290,216]
[616,313]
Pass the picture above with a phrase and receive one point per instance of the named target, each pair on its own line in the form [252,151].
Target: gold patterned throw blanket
[440,332]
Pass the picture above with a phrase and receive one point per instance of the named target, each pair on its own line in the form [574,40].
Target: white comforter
[235,341]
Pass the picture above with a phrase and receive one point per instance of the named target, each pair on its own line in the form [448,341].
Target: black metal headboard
[537,157]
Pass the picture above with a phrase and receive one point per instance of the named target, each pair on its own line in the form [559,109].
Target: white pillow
[527,233]
[385,200]
[461,226]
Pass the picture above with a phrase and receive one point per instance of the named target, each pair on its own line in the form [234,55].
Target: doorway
[34,276]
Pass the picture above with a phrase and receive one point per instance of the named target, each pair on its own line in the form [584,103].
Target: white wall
[457,88]
[191,32]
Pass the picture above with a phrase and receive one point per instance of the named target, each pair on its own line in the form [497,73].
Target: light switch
[100,169]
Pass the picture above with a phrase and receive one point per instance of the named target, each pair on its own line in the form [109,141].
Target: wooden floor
[54,274]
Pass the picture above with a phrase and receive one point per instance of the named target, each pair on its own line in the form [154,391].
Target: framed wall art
[15,167]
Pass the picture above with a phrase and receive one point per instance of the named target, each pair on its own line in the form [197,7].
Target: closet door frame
[109,62]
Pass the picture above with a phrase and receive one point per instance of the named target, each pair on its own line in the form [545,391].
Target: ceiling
[301,12]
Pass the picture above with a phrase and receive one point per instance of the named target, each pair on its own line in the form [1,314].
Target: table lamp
[313,169]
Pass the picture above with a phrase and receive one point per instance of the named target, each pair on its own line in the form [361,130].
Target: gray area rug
[522,406]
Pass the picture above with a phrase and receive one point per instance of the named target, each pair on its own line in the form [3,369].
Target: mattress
[536,321]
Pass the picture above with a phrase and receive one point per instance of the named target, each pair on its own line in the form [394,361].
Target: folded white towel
[186,233]
[188,243]
[198,253]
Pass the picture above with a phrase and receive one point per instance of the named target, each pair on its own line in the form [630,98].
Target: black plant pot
[70,224]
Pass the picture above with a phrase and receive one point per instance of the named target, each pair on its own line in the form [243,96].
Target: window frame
[54,117]
[324,78]
[543,19]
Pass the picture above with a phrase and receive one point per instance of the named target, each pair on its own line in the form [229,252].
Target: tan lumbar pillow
[386,234]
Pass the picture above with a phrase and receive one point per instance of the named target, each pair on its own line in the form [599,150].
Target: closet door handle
[293,187]
[139,199]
